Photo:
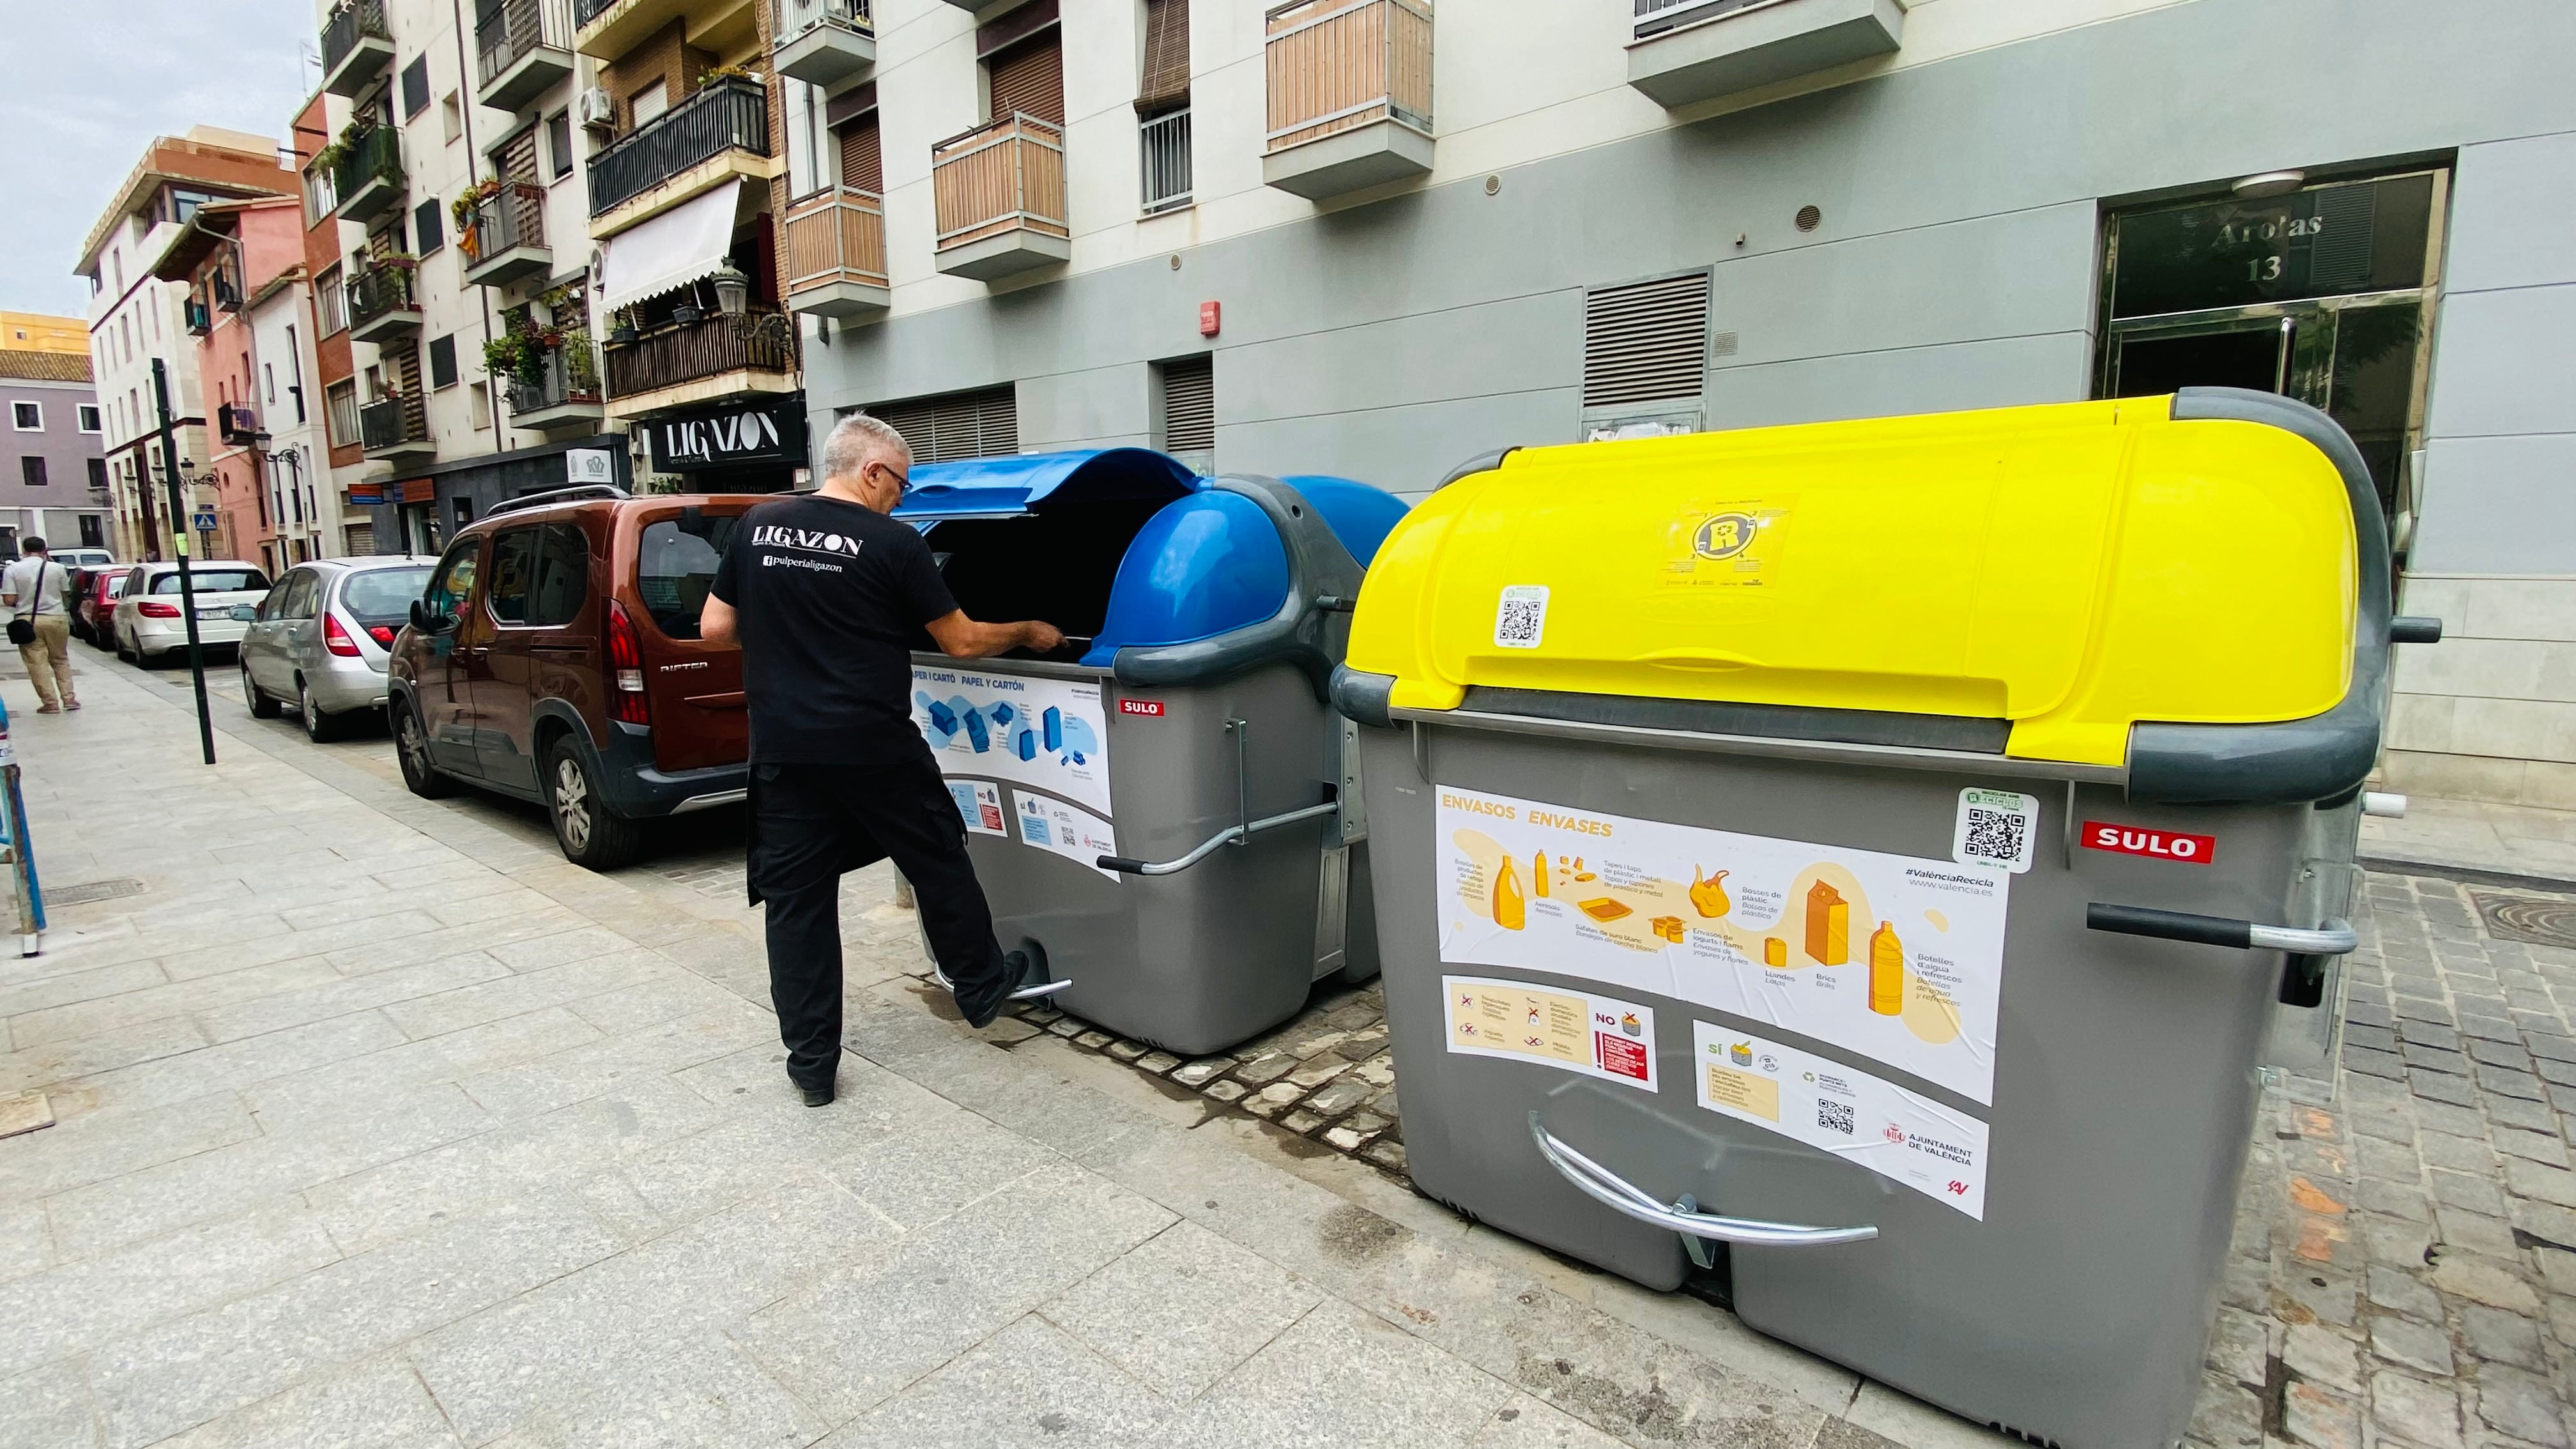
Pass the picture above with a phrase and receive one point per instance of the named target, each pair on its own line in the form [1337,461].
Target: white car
[84,558]
[150,622]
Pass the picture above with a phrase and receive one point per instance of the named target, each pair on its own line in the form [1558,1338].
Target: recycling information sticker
[1597,1036]
[1902,1136]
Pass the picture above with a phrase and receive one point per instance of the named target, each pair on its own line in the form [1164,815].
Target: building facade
[1379,237]
[136,319]
[53,484]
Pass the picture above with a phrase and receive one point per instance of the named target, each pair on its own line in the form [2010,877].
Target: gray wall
[66,451]
[1956,267]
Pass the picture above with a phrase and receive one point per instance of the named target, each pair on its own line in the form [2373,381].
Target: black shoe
[816,1096]
[984,1010]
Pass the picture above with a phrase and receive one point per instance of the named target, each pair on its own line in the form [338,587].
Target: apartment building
[462,265]
[243,265]
[1380,237]
[39,332]
[53,481]
[135,319]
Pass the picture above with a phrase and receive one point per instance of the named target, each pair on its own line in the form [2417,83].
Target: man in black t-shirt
[826,594]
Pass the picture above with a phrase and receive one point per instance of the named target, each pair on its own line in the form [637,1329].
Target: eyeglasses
[901,480]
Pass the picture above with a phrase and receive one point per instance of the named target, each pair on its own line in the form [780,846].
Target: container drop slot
[1057,567]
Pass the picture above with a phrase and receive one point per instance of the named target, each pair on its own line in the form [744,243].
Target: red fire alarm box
[1208,319]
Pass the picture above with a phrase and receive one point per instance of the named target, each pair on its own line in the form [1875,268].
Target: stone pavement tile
[703,1391]
[1029,1385]
[918,1177]
[245,1062]
[424,946]
[2534,1179]
[79,1305]
[554,1347]
[499,903]
[1040,1235]
[668,992]
[200,996]
[2491,1335]
[2416,1410]
[1028,1098]
[183,1373]
[74,986]
[1880,1415]
[2420,1346]
[1525,1423]
[1181,1310]
[562,948]
[124,1047]
[868,1330]
[26,1243]
[230,1179]
[337,995]
[317,1096]
[1389,1389]
[588,1071]
[737,963]
[49,1408]
[379,1404]
[2227,1415]
[491,998]
[104,1145]
[492,1169]
[2525,1406]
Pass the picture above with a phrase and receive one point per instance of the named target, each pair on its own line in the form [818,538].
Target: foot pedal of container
[1703,1253]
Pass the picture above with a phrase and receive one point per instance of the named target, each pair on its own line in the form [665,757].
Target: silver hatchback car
[322,638]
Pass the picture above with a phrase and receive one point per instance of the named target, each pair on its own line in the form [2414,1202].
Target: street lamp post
[171,464]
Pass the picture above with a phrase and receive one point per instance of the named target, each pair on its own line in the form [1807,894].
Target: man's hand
[1042,638]
[959,637]
[715,621]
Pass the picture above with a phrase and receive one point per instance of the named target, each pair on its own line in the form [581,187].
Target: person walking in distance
[38,593]
[826,593]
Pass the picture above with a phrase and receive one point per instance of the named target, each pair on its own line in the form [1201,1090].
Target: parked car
[149,621]
[94,593]
[85,558]
[323,637]
[555,657]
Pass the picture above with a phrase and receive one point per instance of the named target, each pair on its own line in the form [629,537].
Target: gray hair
[856,439]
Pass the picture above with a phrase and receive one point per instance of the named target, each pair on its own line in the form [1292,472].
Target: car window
[133,582]
[274,606]
[514,564]
[562,575]
[303,591]
[116,586]
[213,581]
[675,563]
[378,596]
[454,582]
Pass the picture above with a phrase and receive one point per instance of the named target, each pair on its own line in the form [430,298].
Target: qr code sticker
[1520,619]
[1833,1116]
[1994,835]
[1995,828]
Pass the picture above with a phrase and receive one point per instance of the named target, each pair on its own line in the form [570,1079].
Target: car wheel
[411,750]
[593,835]
[261,706]
[319,727]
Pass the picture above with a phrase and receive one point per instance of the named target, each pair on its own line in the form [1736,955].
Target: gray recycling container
[1868,859]
[1167,814]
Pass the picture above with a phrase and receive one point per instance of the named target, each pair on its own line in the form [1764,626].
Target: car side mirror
[245,613]
[427,621]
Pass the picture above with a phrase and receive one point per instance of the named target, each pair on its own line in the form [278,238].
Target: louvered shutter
[1189,406]
[862,156]
[1646,341]
[982,424]
[1029,77]
[1166,80]
[518,159]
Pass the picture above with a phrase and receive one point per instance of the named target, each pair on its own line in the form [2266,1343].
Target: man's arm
[962,638]
[715,621]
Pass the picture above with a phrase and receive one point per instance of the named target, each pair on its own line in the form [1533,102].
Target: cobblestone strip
[2404,1270]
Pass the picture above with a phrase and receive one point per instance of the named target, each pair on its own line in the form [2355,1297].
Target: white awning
[680,246]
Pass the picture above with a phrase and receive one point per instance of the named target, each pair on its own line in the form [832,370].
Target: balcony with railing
[1349,88]
[357,45]
[607,29]
[369,173]
[562,394]
[1163,147]
[823,42]
[1685,51]
[505,237]
[395,426]
[710,357]
[720,132]
[381,304]
[237,425]
[998,194]
[201,318]
[521,48]
[836,256]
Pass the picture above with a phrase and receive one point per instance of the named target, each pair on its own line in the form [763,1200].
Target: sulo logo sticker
[1153,707]
[2160,844]
[1725,535]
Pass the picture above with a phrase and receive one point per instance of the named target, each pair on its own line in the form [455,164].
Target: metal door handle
[2335,938]
[1621,1196]
[1209,846]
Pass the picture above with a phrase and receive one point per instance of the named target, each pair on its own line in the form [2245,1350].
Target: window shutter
[518,158]
[415,86]
[1166,80]
[982,424]
[862,155]
[442,361]
[1029,77]
[1646,341]
[427,228]
[1189,406]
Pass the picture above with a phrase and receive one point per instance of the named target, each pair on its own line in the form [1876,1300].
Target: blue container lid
[1206,565]
[1022,482]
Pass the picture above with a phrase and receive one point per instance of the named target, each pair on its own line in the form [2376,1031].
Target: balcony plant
[716,74]
[471,200]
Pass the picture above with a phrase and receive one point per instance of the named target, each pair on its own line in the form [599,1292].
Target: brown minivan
[555,657]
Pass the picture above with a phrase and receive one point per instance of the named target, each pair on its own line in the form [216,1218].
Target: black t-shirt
[831,596]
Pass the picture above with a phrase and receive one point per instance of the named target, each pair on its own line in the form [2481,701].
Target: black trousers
[812,822]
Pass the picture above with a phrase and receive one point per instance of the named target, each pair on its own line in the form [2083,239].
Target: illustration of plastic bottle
[1511,912]
[1886,971]
[1828,925]
[1538,874]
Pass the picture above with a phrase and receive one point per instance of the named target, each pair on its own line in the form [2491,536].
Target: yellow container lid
[2065,572]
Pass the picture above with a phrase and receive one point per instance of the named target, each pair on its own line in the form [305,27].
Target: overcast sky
[87,83]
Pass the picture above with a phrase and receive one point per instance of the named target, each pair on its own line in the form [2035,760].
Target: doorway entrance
[2324,293]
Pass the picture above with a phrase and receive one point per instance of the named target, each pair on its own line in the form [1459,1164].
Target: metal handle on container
[1621,1196]
[2414,629]
[2335,938]
[1213,843]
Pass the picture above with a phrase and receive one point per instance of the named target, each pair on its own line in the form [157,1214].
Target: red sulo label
[2161,844]
[1152,707]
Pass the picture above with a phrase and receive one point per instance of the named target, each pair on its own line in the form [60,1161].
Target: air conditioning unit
[594,108]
